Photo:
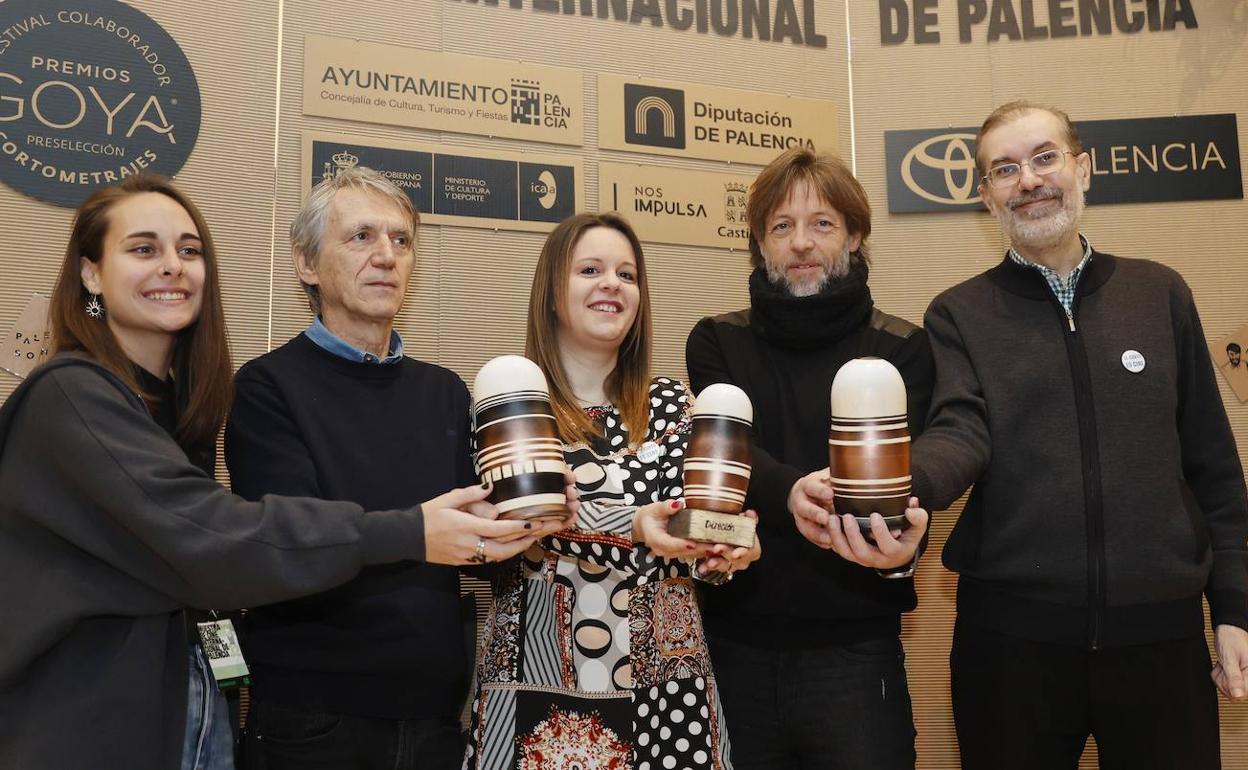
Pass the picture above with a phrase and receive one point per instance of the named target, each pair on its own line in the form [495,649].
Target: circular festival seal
[91,92]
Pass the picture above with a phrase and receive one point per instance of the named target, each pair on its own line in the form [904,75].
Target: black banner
[460,185]
[1134,160]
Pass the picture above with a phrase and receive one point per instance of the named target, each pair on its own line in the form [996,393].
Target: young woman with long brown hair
[594,654]
[111,525]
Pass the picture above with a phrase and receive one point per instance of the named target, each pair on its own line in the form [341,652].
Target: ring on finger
[478,556]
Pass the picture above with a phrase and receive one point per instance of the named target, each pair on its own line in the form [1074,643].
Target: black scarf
[810,322]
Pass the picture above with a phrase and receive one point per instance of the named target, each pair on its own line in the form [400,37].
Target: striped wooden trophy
[518,446]
[717,469]
[869,443]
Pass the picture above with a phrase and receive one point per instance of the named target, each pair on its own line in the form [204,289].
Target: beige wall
[468,300]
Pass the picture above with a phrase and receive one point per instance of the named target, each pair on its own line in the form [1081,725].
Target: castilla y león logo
[91,92]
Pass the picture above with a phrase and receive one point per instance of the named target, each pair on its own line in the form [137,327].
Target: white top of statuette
[868,387]
[507,374]
[722,399]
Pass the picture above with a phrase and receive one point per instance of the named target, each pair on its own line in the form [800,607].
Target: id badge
[224,654]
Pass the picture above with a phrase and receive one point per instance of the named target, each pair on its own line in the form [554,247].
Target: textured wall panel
[469,302]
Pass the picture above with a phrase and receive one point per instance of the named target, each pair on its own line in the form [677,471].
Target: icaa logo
[947,159]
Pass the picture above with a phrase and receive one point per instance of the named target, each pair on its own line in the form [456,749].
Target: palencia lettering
[554,114]
[764,139]
[779,21]
[1175,156]
[902,20]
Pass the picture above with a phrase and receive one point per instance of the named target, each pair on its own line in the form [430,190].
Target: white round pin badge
[1133,361]
[649,452]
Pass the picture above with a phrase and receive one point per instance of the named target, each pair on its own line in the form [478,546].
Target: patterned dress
[593,657]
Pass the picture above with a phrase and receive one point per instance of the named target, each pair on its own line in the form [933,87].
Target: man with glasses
[1108,492]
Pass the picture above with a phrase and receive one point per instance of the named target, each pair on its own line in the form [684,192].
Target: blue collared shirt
[1065,290]
[319,333]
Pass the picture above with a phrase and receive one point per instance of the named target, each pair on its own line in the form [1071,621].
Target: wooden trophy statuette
[717,469]
[869,443]
[518,446]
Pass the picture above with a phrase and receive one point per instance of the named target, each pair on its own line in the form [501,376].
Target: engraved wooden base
[711,527]
[546,512]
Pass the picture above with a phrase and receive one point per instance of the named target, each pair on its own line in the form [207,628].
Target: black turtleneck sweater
[784,352]
[305,422]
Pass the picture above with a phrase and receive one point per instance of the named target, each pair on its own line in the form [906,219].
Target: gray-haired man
[372,674]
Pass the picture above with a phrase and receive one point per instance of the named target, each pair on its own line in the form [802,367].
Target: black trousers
[1028,705]
[837,707]
[279,737]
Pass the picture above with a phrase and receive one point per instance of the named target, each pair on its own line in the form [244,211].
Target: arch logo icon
[654,116]
[931,170]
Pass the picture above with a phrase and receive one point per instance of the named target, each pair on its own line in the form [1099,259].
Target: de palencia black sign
[1134,160]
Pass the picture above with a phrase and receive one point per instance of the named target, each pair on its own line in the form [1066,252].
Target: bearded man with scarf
[806,643]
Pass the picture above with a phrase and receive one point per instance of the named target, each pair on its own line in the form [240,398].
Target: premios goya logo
[91,91]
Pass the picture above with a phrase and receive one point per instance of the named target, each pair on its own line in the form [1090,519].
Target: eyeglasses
[1041,164]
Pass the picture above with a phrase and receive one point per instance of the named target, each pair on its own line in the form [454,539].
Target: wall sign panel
[695,121]
[668,205]
[1134,160]
[395,85]
[512,191]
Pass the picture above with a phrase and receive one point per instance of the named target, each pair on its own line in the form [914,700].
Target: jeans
[281,737]
[209,741]
[837,707]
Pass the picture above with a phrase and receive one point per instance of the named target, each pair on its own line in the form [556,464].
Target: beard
[1044,230]
[834,269]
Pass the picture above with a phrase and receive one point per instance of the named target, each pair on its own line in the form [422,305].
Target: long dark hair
[201,355]
[628,384]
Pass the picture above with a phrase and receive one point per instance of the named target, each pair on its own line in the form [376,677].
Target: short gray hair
[308,228]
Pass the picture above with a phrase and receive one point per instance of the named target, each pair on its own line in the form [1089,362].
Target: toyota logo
[950,154]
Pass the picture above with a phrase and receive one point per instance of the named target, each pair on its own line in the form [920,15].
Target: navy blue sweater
[305,422]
